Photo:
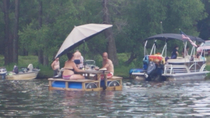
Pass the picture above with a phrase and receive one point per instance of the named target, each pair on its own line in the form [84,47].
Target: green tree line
[39,27]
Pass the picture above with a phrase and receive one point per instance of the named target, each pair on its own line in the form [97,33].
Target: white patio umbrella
[79,34]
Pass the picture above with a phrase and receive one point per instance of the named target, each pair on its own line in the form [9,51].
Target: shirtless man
[55,66]
[107,63]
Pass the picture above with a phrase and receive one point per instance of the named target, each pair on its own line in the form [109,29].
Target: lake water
[139,99]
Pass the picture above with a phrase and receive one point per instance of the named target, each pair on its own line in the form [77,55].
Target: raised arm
[177,52]
[107,64]
[52,64]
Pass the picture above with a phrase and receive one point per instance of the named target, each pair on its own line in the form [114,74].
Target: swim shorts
[66,77]
[109,75]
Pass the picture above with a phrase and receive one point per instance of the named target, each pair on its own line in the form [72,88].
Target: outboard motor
[151,67]
[154,71]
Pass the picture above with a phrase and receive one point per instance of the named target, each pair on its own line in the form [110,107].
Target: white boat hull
[179,72]
[23,76]
[186,76]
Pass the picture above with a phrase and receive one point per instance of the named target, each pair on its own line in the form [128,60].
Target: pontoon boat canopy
[169,36]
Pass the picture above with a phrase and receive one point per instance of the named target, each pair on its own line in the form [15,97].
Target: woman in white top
[78,59]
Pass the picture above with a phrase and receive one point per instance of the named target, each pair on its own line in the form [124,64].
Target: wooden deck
[114,83]
[114,79]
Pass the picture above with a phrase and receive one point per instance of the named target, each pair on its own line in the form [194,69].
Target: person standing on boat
[70,67]
[55,66]
[175,52]
[78,59]
[108,65]
[185,52]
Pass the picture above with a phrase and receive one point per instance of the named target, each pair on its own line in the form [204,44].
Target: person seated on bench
[78,59]
[175,52]
[70,67]
[108,65]
[200,54]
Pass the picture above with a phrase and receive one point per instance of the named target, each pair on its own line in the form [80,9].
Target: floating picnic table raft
[77,36]
[114,83]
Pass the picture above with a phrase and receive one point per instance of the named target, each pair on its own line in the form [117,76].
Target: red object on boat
[155,57]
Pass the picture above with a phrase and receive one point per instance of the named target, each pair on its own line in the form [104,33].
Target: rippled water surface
[137,99]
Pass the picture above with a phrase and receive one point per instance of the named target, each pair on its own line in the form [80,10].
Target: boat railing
[173,69]
[202,68]
[195,67]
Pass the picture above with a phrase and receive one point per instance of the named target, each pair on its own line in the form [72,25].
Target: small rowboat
[26,74]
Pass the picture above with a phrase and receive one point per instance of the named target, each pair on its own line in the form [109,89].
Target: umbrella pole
[84,53]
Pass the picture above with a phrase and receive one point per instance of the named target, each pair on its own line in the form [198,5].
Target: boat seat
[184,60]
